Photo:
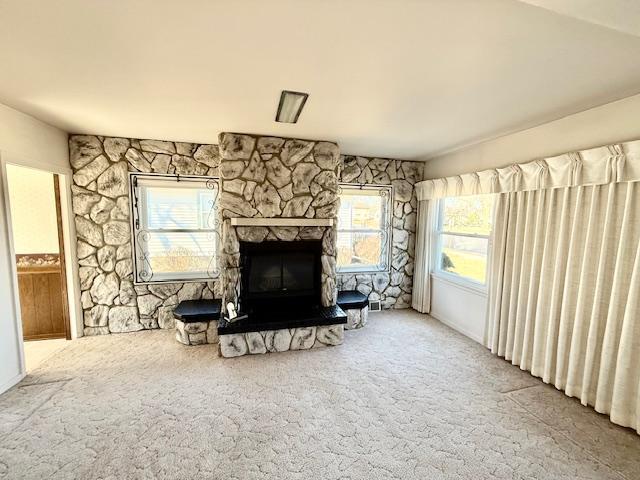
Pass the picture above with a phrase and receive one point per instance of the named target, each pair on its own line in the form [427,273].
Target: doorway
[36,219]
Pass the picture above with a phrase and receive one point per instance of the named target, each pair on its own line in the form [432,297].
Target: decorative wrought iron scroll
[144,270]
[385,191]
[213,224]
[385,246]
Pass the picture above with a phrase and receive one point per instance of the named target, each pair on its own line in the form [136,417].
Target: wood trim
[63,269]
[37,262]
[44,336]
[37,270]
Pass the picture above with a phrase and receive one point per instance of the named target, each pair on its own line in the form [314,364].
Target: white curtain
[564,292]
[421,296]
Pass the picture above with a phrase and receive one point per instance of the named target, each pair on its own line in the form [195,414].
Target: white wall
[463,309]
[611,123]
[29,142]
[33,210]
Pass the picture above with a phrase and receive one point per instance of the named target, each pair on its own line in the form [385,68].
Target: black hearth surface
[260,321]
[198,310]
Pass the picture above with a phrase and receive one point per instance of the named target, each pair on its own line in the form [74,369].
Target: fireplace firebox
[280,277]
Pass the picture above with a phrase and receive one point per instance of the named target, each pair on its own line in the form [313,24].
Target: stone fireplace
[273,179]
[278,190]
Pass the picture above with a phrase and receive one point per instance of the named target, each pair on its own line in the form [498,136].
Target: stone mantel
[282,222]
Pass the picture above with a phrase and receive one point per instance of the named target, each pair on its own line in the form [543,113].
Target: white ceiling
[405,79]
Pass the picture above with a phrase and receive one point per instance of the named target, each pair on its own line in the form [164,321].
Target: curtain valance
[597,166]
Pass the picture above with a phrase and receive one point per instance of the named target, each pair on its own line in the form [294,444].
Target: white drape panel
[564,292]
[597,166]
[421,296]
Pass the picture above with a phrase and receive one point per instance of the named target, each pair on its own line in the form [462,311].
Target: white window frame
[385,228]
[437,270]
[138,222]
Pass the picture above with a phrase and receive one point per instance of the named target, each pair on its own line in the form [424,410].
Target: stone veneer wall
[263,177]
[100,194]
[393,289]
[277,177]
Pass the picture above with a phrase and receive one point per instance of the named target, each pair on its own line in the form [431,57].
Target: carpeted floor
[404,398]
[37,352]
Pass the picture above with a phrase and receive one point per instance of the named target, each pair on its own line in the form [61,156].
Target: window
[174,224]
[363,229]
[464,228]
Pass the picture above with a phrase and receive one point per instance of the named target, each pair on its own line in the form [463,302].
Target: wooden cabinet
[42,297]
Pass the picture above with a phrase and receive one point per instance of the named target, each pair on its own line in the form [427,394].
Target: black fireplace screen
[274,271]
[281,272]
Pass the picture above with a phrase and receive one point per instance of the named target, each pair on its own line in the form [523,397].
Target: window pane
[363,228]
[465,256]
[359,211]
[178,208]
[470,214]
[359,250]
[175,224]
[179,252]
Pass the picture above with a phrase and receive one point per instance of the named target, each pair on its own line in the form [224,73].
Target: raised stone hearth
[282,340]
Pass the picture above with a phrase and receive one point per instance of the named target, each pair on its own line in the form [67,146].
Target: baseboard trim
[11,382]
[457,327]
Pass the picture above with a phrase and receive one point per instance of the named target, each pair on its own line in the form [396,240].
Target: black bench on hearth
[356,306]
[197,321]
[295,319]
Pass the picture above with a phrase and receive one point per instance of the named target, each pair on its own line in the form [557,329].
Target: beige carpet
[404,398]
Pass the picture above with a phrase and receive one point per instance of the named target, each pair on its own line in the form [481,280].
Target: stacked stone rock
[301,338]
[268,177]
[392,289]
[197,333]
[100,195]
[357,317]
